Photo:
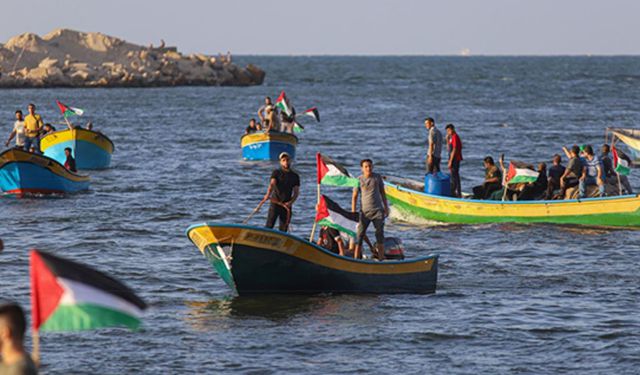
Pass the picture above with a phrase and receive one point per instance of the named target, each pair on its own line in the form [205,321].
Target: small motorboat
[255,260]
[268,145]
[92,150]
[24,173]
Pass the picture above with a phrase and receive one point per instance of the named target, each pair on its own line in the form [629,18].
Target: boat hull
[23,173]
[92,150]
[268,146]
[619,211]
[267,261]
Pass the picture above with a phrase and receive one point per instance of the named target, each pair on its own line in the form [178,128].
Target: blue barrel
[437,184]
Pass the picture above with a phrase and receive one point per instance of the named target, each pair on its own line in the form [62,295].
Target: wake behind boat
[92,150]
[255,260]
[408,196]
[24,173]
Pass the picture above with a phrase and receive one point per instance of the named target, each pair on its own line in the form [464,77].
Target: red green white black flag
[68,296]
[68,111]
[332,173]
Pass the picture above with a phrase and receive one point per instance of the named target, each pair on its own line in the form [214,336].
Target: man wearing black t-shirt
[284,188]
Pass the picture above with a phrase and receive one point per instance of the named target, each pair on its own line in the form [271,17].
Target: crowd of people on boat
[27,131]
[273,119]
[587,174]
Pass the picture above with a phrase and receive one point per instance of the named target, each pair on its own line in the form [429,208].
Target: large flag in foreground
[620,165]
[68,296]
[330,214]
[332,173]
[519,173]
[68,111]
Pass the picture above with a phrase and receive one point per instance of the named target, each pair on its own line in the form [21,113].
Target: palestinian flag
[313,112]
[67,296]
[520,173]
[332,173]
[68,111]
[330,214]
[620,165]
[283,105]
[297,128]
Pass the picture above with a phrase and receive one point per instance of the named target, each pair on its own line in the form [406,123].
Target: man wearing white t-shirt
[18,131]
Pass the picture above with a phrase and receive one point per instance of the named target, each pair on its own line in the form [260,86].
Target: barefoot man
[373,207]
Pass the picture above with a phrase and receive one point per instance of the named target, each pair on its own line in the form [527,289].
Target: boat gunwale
[492,202]
[113,147]
[75,176]
[315,246]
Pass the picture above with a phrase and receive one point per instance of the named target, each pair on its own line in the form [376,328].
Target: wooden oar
[255,211]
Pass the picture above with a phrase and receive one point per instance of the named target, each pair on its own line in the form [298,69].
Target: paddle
[255,211]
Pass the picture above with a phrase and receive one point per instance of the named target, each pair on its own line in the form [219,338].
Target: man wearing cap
[283,191]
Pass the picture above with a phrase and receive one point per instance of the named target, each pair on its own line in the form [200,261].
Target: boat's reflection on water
[218,313]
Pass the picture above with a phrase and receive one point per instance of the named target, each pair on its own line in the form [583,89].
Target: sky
[346,27]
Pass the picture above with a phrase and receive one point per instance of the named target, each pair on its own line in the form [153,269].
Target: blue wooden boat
[92,150]
[24,173]
[268,145]
[255,260]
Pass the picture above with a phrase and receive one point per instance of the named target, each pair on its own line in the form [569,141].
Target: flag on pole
[68,296]
[332,173]
[283,105]
[519,173]
[330,214]
[68,111]
[313,112]
[620,165]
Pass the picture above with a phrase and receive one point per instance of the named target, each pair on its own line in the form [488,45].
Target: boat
[407,197]
[631,138]
[24,173]
[256,260]
[92,150]
[268,145]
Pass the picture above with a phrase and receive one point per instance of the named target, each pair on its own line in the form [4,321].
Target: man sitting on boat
[573,172]
[18,131]
[48,128]
[252,128]
[592,173]
[284,188]
[373,207]
[492,180]
[70,163]
[554,174]
[332,240]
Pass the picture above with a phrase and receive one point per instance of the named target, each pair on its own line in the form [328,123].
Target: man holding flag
[373,207]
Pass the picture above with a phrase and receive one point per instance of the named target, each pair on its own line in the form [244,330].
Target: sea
[511,298]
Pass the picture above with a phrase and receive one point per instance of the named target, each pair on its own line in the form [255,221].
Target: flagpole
[613,145]
[35,354]
[313,230]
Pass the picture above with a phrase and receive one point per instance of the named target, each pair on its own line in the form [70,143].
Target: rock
[70,58]
[48,63]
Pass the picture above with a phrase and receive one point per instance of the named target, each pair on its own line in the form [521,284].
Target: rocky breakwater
[67,58]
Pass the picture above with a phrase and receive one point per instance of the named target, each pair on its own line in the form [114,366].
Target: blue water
[511,298]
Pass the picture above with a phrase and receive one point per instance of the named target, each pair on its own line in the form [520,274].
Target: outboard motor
[393,248]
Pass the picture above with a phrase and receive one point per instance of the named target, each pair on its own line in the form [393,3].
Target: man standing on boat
[284,188]
[18,131]
[373,207]
[434,152]
[455,157]
[32,126]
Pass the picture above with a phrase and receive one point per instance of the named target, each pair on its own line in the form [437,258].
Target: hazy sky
[286,27]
